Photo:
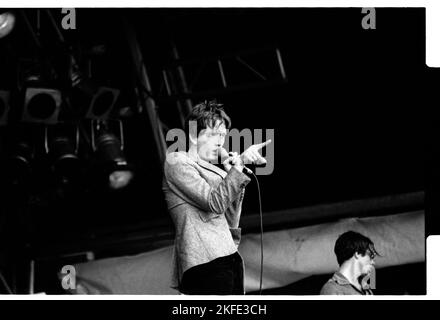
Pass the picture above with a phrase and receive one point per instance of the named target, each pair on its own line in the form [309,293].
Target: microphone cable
[261,233]
[5,284]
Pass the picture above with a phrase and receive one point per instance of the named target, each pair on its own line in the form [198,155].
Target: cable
[261,233]
[5,284]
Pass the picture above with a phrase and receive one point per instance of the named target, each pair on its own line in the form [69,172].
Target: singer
[205,205]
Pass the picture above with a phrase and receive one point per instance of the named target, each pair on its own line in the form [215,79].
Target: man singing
[205,205]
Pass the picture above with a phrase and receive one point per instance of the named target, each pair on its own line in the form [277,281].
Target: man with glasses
[355,254]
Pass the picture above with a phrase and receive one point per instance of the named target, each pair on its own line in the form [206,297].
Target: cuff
[241,177]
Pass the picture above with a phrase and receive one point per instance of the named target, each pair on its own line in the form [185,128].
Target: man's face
[210,141]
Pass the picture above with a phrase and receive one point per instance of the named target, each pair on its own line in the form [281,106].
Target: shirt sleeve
[329,289]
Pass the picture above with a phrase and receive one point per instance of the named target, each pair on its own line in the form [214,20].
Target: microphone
[224,154]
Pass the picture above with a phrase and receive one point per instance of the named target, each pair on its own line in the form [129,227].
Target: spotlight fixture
[118,179]
[63,152]
[99,100]
[41,105]
[63,148]
[7,22]
[110,151]
[19,163]
[102,103]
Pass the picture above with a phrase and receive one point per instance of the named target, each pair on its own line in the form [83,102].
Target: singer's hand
[235,160]
[251,154]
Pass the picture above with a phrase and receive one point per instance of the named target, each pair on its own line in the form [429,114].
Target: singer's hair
[206,115]
[352,242]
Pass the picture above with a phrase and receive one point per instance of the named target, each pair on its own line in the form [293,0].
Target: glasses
[371,254]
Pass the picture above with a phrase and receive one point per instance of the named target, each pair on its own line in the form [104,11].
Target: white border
[432,60]
[216,4]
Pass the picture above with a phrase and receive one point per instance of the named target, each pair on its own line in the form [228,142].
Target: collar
[340,279]
[205,164]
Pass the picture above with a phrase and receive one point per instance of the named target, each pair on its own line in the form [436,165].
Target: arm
[186,181]
[233,215]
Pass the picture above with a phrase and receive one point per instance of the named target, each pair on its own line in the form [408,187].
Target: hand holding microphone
[231,159]
[250,155]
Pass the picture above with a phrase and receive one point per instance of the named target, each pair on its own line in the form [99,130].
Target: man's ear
[357,255]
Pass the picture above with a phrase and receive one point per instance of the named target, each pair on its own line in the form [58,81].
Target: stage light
[65,161]
[63,152]
[41,105]
[7,22]
[63,148]
[4,107]
[109,151]
[19,163]
[99,100]
[120,178]
[102,103]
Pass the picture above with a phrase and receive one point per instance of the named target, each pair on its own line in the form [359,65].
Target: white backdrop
[289,255]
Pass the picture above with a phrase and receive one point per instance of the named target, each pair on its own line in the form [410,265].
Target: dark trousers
[222,276]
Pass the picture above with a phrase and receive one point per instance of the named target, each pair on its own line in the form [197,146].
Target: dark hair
[350,243]
[206,114]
